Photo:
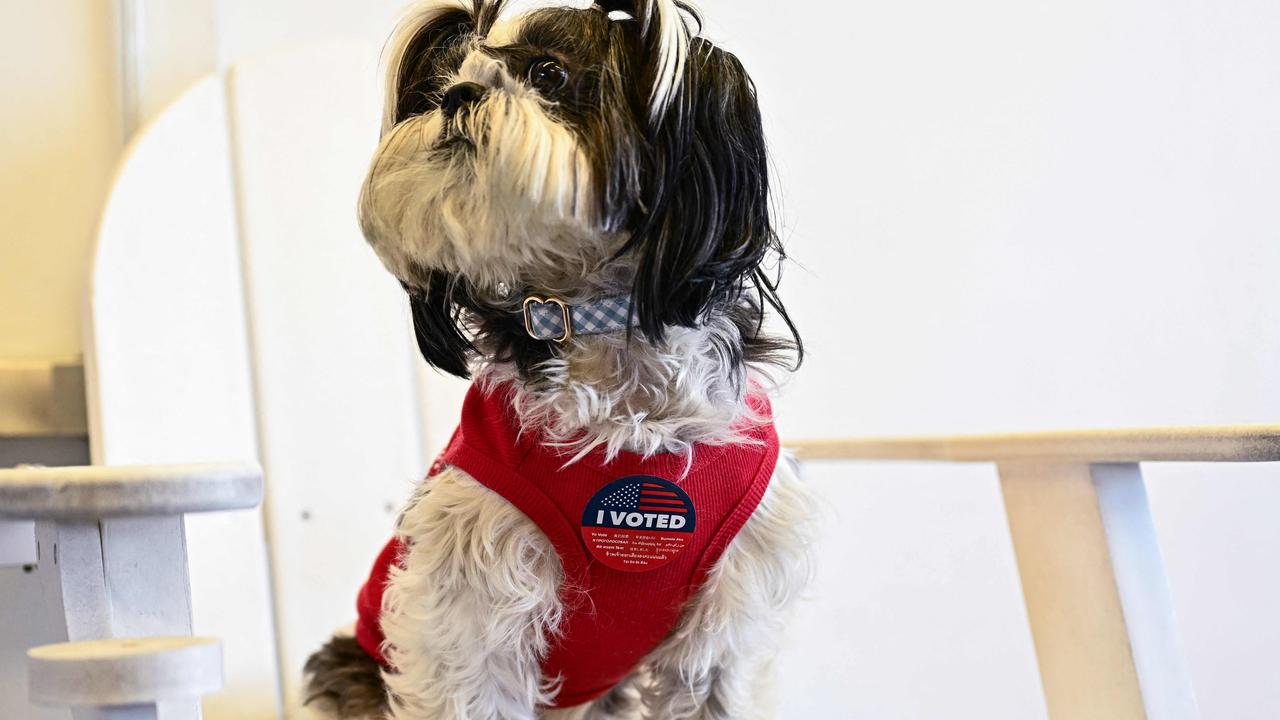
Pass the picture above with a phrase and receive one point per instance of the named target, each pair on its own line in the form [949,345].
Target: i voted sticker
[638,523]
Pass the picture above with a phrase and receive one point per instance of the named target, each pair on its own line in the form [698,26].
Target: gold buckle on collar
[564,310]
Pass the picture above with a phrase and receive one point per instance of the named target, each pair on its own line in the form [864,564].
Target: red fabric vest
[623,614]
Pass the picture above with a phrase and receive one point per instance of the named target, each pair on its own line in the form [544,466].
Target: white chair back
[169,366]
[337,396]
[237,313]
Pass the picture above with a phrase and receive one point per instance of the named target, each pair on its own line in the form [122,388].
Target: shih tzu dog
[576,201]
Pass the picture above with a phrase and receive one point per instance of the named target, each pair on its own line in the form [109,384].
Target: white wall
[1012,215]
[248,28]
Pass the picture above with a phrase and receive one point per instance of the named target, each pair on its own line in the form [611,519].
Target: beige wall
[60,134]
[64,118]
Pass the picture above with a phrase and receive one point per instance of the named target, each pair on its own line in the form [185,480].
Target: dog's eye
[548,75]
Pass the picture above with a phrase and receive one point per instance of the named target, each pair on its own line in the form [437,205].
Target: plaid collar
[550,318]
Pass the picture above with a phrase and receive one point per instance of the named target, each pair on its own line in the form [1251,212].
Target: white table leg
[145,562]
[1154,637]
[70,566]
[124,577]
[1088,560]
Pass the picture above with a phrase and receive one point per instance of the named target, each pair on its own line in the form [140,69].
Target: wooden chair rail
[1232,443]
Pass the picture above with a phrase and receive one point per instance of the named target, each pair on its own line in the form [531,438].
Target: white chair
[236,313]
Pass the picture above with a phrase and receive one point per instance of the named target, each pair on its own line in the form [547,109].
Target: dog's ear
[420,45]
[708,226]
[438,328]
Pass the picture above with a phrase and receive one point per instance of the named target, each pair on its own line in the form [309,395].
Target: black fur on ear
[415,75]
[439,325]
[452,327]
[705,242]
[428,38]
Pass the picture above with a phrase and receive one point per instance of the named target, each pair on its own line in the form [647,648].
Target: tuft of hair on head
[627,7]
[664,21]
[665,26]
[486,14]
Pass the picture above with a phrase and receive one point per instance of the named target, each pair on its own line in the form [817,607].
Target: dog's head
[576,152]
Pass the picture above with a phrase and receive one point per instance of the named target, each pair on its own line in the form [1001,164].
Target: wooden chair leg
[1096,595]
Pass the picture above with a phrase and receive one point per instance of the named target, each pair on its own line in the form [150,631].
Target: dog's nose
[459,96]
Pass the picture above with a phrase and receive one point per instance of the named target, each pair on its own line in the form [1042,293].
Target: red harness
[636,537]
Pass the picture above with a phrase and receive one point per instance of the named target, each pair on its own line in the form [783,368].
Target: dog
[576,201]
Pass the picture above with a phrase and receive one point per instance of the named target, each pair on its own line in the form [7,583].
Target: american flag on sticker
[638,523]
[647,496]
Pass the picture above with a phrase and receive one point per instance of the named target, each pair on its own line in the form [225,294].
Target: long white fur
[613,393]
[474,608]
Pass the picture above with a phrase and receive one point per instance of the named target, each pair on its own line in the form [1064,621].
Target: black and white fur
[578,153]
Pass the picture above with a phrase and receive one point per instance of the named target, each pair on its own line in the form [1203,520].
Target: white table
[110,551]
